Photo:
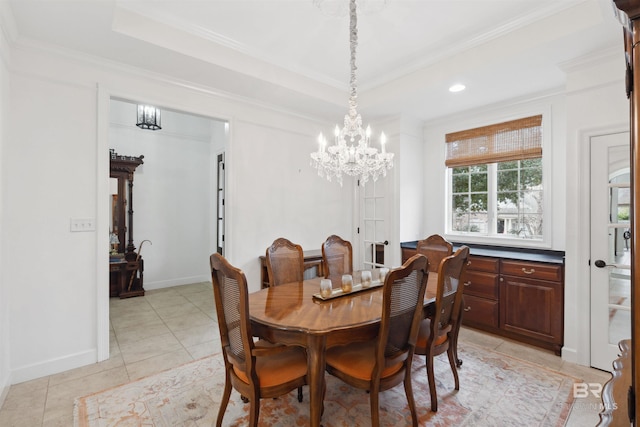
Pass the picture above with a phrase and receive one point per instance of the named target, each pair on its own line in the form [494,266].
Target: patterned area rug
[495,390]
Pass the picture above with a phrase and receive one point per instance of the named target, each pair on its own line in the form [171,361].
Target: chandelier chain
[353,42]
[351,153]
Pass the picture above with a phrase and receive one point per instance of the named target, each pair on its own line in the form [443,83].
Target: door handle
[600,263]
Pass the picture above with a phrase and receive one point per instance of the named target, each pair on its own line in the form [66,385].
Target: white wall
[5,362]
[58,169]
[412,168]
[172,192]
[276,194]
[49,270]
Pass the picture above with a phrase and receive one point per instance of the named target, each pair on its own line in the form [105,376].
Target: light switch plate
[83,224]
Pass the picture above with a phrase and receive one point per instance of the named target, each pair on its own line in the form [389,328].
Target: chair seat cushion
[425,333]
[278,368]
[357,360]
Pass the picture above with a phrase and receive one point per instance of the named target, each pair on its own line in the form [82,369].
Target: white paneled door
[373,236]
[610,247]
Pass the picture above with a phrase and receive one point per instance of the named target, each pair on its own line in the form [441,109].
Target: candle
[383,141]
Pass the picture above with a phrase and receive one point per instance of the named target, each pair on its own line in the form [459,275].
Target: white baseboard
[54,366]
[570,355]
[160,284]
[5,383]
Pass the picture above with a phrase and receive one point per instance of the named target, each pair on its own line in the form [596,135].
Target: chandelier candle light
[351,153]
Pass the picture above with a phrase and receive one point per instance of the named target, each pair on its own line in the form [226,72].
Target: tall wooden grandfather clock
[128,281]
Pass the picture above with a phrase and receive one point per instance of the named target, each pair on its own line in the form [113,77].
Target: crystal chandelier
[351,152]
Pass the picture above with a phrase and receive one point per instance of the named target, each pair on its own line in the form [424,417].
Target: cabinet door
[532,307]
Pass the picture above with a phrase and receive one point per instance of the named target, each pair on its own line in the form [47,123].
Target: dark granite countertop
[505,252]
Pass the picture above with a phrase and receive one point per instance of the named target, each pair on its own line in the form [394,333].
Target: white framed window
[496,177]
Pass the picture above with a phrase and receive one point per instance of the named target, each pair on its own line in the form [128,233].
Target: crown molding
[594,58]
[118,67]
[457,48]
[136,11]
[499,107]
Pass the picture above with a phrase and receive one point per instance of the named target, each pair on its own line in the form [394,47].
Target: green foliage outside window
[512,205]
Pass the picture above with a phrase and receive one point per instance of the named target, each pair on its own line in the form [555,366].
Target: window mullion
[492,198]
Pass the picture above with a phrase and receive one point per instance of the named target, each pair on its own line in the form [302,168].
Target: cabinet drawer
[480,263]
[480,311]
[481,284]
[533,270]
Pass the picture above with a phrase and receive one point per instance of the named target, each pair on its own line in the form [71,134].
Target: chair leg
[455,336]
[454,344]
[299,394]
[408,389]
[226,393]
[452,362]
[432,384]
[254,410]
[375,411]
[324,394]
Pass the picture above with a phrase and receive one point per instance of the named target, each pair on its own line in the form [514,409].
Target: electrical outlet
[83,224]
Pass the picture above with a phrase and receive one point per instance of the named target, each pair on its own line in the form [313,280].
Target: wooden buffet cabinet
[514,293]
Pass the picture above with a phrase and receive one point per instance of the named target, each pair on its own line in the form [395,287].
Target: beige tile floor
[171,326]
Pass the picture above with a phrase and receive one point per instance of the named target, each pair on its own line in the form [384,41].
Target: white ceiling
[292,54]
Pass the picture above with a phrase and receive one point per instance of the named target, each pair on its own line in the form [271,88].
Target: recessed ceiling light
[458,87]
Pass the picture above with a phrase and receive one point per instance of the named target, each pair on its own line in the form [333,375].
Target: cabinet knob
[467,309]
[525,271]
[467,283]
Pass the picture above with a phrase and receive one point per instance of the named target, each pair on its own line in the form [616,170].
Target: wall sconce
[148,117]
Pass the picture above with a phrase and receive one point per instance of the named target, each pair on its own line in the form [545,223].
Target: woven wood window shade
[513,140]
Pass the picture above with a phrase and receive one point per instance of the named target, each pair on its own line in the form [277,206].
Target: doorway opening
[176,193]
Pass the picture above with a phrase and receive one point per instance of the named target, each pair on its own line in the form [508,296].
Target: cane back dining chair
[436,248]
[438,332]
[285,262]
[337,256]
[255,369]
[385,362]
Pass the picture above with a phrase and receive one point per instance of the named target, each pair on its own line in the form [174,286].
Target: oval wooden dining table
[289,314]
